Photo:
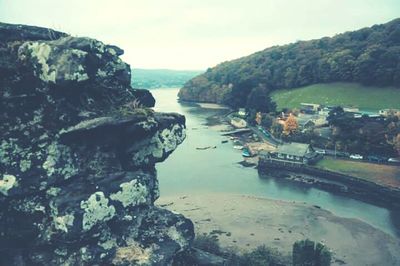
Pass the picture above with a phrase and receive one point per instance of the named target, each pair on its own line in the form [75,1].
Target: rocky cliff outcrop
[77,152]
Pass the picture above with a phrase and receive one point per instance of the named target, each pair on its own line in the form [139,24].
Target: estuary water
[190,171]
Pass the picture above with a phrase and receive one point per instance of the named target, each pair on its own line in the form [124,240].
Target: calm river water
[189,171]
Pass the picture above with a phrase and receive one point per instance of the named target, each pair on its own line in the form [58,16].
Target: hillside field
[343,94]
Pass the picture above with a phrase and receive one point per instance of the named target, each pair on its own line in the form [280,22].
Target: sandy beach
[245,222]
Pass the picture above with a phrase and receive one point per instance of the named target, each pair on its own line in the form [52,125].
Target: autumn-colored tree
[290,125]
[258,118]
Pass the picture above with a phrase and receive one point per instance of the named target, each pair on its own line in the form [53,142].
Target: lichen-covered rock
[77,153]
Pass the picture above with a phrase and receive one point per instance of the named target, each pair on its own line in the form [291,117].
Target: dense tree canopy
[259,100]
[370,56]
[364,135]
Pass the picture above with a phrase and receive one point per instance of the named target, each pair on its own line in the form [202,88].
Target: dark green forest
[370,56]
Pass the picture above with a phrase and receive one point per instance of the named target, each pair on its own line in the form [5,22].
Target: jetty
[236,131]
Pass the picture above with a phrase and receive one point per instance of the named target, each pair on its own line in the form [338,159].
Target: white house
[242,112]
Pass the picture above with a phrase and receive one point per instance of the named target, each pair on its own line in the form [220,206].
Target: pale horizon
[179,35]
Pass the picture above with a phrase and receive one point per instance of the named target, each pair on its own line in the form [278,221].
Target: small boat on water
[238,147]
[246,153]
[224,141]
[206,148]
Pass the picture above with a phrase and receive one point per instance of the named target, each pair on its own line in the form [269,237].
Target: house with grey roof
[310,108]
[296,153]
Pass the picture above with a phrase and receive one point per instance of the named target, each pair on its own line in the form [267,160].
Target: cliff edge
[77,153]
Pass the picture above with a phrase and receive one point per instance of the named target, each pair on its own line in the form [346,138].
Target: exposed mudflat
[246,222]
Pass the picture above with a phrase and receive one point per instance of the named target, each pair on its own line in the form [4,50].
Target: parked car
[373,158]
[356,156]
[394,160]
[343,154]
[330,152]
[320,151]
[376,158]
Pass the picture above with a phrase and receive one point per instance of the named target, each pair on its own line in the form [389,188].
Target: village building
[309,121]
[324,111]
[293,153]
[388,112]
[242,112]
[308,124]
[305,121]
[238,122]
[323,132]
[320,121]
[310,108]
[351,109]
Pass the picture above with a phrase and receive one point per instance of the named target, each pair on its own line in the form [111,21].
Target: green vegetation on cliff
[368,56]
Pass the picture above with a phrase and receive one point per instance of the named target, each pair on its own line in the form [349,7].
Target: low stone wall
[351,186]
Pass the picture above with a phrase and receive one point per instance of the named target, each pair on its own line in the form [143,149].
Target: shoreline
[337,183]
[244,222]
[347,186]
[221,215]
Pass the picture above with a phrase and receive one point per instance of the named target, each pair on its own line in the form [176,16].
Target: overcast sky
[196,34]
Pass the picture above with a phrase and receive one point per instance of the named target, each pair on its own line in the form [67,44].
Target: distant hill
[161,78]
[370,56]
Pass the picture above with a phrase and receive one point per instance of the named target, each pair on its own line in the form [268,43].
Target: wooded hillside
[369,56]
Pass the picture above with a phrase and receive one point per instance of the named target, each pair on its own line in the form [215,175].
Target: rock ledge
[77,153]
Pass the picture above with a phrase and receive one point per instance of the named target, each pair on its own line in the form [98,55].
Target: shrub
[132,108]
[307,253]
[261,256]
[207,243]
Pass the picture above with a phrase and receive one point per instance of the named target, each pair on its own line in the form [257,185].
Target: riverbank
[384,194]
[245,222]
[335,182]
[382,174]
[190,171]
[221,123]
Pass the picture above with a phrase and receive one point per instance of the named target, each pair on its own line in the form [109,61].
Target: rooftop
[311,104]
[293,148]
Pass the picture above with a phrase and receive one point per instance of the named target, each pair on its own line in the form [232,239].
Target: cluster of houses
[314,116]
[311,117]
[312,108]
